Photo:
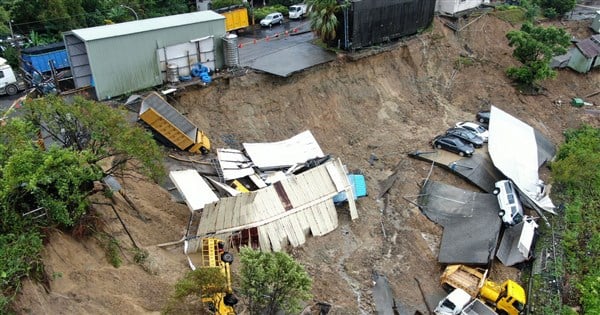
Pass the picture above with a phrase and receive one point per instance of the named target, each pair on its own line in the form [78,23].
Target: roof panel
[590,47]
[126,28]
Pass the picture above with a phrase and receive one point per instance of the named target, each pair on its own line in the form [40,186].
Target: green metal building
[121,58]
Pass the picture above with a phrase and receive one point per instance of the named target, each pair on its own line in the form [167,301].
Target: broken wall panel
[470,220]
[477,169]
[196,192]
[516,243]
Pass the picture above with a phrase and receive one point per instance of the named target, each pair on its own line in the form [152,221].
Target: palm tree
[323,19]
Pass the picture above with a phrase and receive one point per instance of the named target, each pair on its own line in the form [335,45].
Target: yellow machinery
[235,19]
[213,255]
[508,297]
[172,125]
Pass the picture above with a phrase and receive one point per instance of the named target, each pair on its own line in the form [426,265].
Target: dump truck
[213,255]
[508,297]
[172,125]
[236,17]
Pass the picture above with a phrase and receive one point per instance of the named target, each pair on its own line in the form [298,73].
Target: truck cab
[508,297]
[10,83]
[297,11]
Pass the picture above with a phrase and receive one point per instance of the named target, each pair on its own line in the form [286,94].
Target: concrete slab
[283,55]
[470,220]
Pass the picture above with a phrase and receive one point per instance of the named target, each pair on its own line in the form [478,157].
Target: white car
[454,303]
[474,127]
[272,18]
[511,210]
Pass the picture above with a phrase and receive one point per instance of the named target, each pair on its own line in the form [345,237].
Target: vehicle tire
[496,191]
[461,153]
[481,120]
[227,257]
[230,299]
[501,213]
[11,89]
[438,146]
[280,22]
[203,150]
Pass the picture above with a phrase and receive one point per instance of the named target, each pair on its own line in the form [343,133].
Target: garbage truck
[507,297]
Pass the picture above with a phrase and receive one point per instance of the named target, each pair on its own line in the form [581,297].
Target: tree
[89,126]
[198,283]
[272,282]
[534,48]
[559,7]
[323,18]
[55,180]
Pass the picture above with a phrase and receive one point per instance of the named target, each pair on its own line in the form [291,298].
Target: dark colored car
[483,116]
[453,144]
[466,136]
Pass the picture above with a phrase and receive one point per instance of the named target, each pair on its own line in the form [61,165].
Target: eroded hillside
[383,105]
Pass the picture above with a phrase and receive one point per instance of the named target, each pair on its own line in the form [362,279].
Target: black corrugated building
[370,22]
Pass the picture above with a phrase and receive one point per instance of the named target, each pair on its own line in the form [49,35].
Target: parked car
[474,127]
[453,144]
[483,116]
[272,18]
[466,136]
[511,210]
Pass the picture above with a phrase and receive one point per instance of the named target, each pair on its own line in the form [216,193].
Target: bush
[19,256]
[217,4]
[260,13]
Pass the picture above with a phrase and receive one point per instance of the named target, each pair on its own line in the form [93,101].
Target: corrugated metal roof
[286,211]
[590,47]
[126,28]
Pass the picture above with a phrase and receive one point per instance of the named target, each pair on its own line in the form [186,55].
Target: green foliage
[113,252]
[534,48]
[323,18]
[272,282]
[19,256]
[577,170]
[285,3]
[202,282]
[550,13]
[558,7]
[217,4]
[58,178]
[260,13]
[93,127]
[511,14]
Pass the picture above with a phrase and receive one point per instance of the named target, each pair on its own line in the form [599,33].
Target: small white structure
[596,23]
[451,7]
[282,154]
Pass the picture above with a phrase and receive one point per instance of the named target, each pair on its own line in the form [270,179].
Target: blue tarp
[359,187]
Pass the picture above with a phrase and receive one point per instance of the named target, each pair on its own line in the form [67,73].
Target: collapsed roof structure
[294,197]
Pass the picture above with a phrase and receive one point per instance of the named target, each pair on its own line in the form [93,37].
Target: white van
[511,210]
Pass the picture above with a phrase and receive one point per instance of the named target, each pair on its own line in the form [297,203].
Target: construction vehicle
[213,255]
[508,297]
[172,125]
[236,17]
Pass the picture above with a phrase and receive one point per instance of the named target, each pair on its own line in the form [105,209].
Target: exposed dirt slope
[384,105]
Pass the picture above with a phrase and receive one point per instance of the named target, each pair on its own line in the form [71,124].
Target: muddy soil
[368,111]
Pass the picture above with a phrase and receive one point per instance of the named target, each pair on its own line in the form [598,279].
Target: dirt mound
[370,112]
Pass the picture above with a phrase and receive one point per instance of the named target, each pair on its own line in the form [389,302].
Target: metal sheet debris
[514,151]
[516,243]
[196,192]
[470,220]
[283,154]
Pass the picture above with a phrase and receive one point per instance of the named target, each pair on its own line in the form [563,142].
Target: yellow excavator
[213,255]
